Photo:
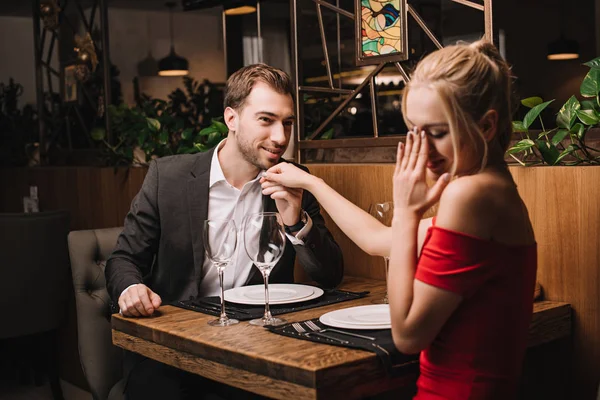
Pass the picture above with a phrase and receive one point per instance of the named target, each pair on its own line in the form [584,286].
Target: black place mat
[394,362]
[212,305]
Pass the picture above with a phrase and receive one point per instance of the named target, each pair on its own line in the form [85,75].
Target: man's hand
[287,200]
[139,301]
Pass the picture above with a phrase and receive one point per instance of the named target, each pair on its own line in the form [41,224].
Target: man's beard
[251,154]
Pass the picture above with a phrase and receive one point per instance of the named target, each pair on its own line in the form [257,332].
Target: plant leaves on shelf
[568,113]
[594,64]
[588,117]
[559,136]
[549,152]
[534,113]
[521,145]
[590,87]
[531,102]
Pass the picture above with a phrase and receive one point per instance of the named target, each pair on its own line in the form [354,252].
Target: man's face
[262,128]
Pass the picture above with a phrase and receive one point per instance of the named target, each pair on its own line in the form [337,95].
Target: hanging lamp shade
[563,49]
[172,65]
[240,7]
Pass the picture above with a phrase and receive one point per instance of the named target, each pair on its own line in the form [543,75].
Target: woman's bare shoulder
[468,204]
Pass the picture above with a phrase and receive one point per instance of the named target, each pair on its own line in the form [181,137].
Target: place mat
[212,305]
[394,362]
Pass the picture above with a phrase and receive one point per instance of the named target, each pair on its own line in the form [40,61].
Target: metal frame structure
[376,140]
[44,51]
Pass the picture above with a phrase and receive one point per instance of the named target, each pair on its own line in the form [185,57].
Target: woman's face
[424,112]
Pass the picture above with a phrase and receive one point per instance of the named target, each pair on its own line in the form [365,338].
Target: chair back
[34,271]
[100,359]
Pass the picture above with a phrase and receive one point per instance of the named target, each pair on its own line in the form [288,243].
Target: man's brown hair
[240,83]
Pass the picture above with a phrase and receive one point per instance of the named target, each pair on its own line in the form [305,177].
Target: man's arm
[138,243]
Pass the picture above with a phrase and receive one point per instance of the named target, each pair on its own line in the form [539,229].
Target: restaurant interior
[95,92]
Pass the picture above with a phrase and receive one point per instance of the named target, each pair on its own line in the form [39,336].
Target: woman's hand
[287,175]
[412,196]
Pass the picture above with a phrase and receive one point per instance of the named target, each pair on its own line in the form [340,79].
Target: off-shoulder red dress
[479,351]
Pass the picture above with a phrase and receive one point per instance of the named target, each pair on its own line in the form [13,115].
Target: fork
[315,328]
[302,331]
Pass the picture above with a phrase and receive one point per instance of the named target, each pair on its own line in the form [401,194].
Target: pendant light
[172,65]
[563,48]
[240,7]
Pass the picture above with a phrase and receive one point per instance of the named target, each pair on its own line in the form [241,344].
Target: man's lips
[277,152]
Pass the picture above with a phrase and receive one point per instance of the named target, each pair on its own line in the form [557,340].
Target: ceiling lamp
[240,8]
[563,49]
[172,65]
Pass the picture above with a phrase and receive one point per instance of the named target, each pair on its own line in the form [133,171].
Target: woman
[466,301]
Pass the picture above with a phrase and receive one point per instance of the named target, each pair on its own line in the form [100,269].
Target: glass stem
[267,309]
[387,271]
[223,315]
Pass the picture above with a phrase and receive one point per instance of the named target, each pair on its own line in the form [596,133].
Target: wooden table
[280,367]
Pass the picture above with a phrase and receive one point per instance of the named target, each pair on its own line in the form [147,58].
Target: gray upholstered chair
[34,286]
[100,359]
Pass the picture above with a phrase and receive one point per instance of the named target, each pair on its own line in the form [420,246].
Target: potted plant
[564,144]
[154,128]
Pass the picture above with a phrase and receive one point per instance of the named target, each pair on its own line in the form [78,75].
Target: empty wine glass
[220,240]
[264,240]
[384,212]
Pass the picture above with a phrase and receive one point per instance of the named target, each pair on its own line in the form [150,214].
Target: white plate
[279,293]
[375,316]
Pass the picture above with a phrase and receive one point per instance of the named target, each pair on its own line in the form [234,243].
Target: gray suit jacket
[161,243]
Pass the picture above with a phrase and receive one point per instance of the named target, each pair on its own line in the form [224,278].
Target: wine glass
[220,240]
[384,212]
[264,240]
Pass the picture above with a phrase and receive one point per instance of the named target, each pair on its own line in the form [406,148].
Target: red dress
[479,351]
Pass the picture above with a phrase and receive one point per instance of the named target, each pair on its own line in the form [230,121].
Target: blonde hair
[240,83]
[470,79]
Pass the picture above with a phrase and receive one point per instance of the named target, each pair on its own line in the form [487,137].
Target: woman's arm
[363,229]
[418,310]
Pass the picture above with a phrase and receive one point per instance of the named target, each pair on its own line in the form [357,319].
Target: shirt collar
[216,172]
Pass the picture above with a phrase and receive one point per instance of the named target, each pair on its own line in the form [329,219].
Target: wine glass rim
[264,213]
[219,220]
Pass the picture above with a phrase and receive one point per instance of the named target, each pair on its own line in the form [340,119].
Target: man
[160,254]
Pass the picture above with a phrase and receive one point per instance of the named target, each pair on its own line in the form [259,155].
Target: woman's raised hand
[411,193]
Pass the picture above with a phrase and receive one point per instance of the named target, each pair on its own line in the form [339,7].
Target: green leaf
[568,113]
[518,126]
[522,145]
[187,150]
[559,136]
[221,127]
[163,137]
[213,139]
[328,134]
[201,147]
[207,131]
[153,124]
[588,105]
[531,102]
[588,117]
[549,152]
[143,135]
[534,113]
[187,133]
[579,130]
[98,133]
[590,87]
[570,149]
[595,63]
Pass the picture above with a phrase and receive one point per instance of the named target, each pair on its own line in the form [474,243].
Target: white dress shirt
[228,202]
